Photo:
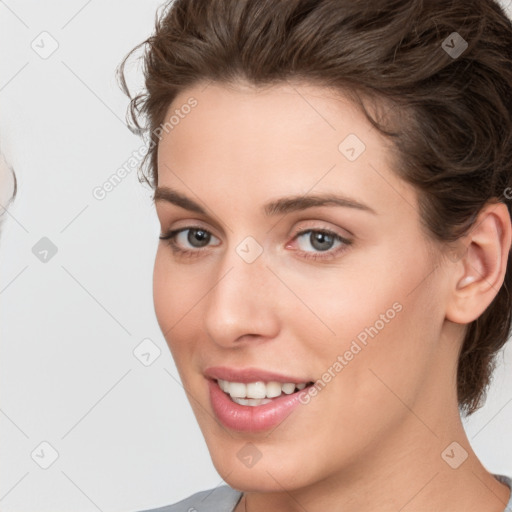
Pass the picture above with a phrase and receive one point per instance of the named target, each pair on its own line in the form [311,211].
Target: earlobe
[479,274]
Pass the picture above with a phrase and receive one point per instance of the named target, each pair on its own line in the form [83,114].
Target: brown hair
[451,111]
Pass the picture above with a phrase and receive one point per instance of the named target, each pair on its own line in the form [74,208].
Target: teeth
[252,401]
[273,389]
[259,391]
[288,388]
[256,390]
[237,389]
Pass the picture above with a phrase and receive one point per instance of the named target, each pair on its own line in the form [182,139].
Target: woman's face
[266,289]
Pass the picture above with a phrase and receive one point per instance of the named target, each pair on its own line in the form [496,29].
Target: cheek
[173,295]
[380,320]
[178,293]
[175,288]
[162,296]
[340,306]
[382,290]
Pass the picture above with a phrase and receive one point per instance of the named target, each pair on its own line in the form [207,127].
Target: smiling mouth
[259,392]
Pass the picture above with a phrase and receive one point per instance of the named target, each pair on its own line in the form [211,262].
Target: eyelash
[169,238]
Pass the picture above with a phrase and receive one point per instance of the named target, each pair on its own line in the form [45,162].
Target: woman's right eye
[198,238]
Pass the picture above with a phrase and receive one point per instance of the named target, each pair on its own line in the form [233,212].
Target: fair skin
[372,438]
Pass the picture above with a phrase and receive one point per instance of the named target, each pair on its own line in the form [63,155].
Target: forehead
[266,141]
[295,110]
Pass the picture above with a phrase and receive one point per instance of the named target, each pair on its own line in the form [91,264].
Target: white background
[125,434]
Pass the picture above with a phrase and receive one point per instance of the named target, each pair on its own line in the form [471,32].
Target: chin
[270,473]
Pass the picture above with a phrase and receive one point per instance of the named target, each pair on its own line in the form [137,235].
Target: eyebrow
[275,207]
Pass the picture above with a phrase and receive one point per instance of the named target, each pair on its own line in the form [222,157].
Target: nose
[243,303]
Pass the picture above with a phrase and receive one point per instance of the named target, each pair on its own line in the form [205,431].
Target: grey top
[225,499]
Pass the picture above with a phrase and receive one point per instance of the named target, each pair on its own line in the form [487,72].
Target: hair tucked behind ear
[449,107]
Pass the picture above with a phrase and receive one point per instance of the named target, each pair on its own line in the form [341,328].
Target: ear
[479,272]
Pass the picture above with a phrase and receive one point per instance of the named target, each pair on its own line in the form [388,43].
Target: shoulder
[218,499]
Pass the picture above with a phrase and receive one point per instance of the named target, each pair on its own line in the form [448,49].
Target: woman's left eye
[321,240]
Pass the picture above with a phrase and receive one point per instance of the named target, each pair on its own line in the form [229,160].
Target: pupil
[197,235]
[321,238]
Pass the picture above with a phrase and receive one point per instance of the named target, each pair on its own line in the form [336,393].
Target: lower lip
[252,418]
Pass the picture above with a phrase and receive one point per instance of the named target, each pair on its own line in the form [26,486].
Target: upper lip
[250,374]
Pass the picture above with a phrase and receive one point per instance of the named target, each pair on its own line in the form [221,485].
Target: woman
[333,184]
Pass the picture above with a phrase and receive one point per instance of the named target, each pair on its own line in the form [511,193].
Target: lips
[267,414]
